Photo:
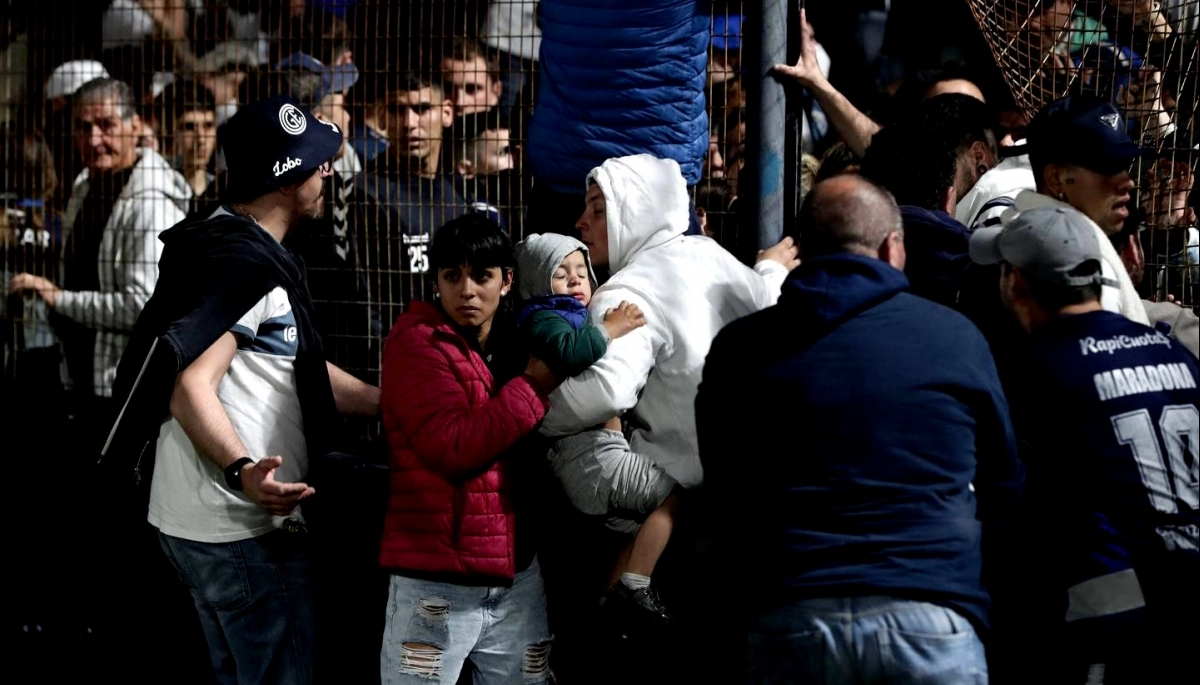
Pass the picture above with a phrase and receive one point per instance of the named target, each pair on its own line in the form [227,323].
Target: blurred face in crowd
[571,278]
[471,86]
[1014,123]
[723,66]
[488,154]
[593,226]
[107,142]
[415,122]
[714,162]
[735,134]
[196,137]
[1048,20]
[1103,198]
[471,295]
[332,108]
[1166,193]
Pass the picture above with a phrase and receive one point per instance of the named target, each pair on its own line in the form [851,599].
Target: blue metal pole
[761,182]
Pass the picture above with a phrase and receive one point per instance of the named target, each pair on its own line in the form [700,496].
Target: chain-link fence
[436,100]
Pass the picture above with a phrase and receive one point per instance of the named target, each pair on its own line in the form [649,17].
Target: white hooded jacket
[689,287]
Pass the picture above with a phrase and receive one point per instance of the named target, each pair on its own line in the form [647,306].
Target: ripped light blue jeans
[434,628]
[864,640]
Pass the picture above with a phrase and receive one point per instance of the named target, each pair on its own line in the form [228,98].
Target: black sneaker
[635,612]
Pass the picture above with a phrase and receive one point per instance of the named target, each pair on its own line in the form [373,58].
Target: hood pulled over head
[646,204]
[539,255]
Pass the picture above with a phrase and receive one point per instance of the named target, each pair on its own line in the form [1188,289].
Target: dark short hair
[473,240]
[715,196]
[960,120]
[839,158]
[912,91]
[182,96]
[912,162]
[466,49]
[411,81]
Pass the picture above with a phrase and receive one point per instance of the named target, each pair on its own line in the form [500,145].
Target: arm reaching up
[852,125]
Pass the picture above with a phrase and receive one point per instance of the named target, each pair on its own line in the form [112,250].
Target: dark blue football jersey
[1105,547]
[1110,416]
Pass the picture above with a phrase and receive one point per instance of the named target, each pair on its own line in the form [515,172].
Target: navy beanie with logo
[274,143]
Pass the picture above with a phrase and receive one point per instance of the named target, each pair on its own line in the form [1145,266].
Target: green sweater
[565,350]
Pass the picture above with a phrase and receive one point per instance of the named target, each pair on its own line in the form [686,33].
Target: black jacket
[212,272]
[937,248]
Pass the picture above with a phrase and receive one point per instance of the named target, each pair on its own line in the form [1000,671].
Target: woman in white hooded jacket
[688,286]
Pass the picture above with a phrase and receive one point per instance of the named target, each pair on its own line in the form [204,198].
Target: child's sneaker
[635,611]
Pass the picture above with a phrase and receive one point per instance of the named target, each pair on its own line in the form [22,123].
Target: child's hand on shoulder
[622,319]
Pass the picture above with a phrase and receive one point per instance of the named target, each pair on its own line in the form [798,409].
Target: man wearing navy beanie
[224,380]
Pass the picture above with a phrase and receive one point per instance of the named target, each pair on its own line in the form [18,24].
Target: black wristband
[233,473]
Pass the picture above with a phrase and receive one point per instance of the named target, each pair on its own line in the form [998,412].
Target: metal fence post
[763,182]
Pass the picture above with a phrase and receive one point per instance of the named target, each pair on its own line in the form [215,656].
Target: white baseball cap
[69,76]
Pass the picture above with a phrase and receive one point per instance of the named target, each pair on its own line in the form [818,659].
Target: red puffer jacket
[450,510]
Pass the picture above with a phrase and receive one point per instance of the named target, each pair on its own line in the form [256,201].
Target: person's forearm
[351,395]
[852,125]
[196,407]
[567,351]
[170,17]
[1159,125]
[106,311]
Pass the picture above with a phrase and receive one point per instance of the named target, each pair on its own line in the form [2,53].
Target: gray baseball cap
[1046,243]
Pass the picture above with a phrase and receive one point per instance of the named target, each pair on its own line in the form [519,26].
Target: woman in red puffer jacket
[463,583]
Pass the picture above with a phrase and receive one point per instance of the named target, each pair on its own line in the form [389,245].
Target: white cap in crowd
[69,76]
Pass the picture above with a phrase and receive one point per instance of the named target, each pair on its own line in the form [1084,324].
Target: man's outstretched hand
[275,497]
[785,252]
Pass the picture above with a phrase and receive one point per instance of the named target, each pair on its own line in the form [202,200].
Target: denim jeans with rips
[864,640]
[433,628]
[255,598]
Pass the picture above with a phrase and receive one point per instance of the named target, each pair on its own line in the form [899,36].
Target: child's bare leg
[622,563]
[652,539]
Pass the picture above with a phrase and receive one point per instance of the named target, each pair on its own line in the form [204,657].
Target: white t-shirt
[188,495]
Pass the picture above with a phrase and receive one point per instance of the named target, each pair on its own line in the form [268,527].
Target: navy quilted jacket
[620,77]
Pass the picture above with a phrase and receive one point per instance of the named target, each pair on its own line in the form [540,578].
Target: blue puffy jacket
[619,77]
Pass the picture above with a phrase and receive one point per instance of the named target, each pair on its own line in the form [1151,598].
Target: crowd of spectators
[115,129]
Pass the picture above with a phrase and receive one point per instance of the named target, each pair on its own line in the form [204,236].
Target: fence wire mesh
[435,99]
[1143,56]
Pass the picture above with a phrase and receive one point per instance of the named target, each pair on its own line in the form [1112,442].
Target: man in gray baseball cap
[1048,251]
[1100,562]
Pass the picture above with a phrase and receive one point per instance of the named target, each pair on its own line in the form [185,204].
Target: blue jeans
[433,628]
[255,599]
[864,640]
